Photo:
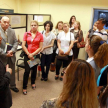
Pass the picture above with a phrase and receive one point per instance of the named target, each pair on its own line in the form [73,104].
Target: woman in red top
[34,41]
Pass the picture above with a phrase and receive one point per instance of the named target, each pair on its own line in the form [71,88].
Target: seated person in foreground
[79,88]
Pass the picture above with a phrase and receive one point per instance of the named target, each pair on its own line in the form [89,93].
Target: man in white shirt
[100,29]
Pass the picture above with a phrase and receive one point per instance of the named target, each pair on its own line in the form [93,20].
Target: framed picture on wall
[99,13]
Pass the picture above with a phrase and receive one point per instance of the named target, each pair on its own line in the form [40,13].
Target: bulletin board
[17,21]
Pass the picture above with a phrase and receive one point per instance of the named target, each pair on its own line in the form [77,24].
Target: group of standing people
[43,43]
[80,77]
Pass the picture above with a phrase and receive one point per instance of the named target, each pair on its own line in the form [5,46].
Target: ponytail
[101,56]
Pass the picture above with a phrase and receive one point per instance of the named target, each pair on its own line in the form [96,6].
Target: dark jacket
[5,93]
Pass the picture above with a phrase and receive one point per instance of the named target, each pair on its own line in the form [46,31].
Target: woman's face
[87,46]
[60,26]
[76,25]
[73,19]
[34,26]
[65,27]
[47,27]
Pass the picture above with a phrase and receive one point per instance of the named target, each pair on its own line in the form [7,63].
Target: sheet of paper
[15,19]
[38,18]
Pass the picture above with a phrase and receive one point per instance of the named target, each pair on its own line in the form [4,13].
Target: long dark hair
[70,21]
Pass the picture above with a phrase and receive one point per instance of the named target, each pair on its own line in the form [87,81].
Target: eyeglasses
[64,72]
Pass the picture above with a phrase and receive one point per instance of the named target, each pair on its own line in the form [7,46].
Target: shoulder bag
[82,43]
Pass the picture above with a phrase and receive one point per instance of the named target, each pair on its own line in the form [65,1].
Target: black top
[5,93]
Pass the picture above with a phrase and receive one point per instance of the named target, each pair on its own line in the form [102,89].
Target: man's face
[99,25]
[5,23]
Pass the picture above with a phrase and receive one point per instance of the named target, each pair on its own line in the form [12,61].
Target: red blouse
[33,45]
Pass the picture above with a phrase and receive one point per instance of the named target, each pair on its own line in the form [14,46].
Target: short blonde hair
[33,21]
[66,23]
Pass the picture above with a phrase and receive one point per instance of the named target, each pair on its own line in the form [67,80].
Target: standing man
[100,29]
[8,36]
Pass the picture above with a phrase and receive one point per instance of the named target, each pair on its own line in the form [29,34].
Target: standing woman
[47,49]
[56,31]
[71,22]
[78,35]
[34,40]
[65,44]
[58,28]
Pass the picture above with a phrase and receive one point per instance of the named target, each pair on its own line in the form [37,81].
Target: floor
[34,98]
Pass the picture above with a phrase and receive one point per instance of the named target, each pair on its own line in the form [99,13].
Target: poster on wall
[16,20]
[38,18]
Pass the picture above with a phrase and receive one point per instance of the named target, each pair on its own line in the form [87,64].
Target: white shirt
[65,41]
[102,34]
[90,59]
[71,28]
[47,41]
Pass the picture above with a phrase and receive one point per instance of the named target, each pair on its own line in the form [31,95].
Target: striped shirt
[103,34]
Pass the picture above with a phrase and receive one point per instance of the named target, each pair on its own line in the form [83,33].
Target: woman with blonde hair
[97,50]
[34,40]
[58,28]
[65,43]
[79,88]
[78,35]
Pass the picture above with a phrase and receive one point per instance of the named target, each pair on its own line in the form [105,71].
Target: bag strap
[70,38]
[42,31]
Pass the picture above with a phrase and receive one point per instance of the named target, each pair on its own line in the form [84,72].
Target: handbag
[64,57]
[82,43]
[55,44]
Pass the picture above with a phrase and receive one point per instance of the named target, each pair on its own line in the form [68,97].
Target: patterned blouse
[49,103]
[52,104]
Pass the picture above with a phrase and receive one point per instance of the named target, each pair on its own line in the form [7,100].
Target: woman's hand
[75,41]
[42,50]
[61,52]
[67,53]
[30,56]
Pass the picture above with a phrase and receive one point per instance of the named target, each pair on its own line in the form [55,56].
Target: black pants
[59,63]
[45,61]
[27,71]
[75,51]
[53,56]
